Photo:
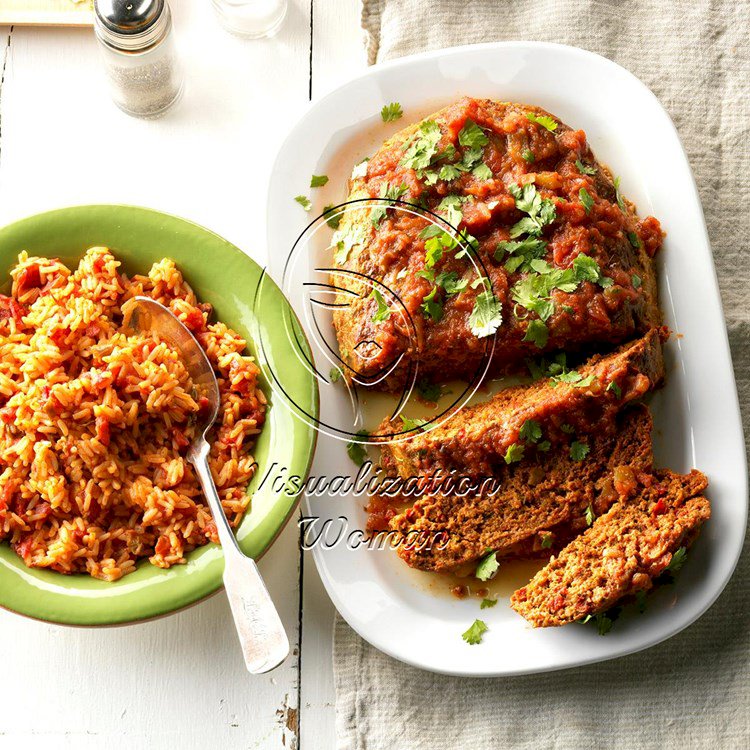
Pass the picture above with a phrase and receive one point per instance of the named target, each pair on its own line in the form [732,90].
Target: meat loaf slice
[474,441]
[620,554]
[541,505]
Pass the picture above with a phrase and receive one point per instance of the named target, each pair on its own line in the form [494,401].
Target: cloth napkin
[692,691]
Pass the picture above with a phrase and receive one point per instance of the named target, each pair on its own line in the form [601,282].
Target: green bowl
[224,276]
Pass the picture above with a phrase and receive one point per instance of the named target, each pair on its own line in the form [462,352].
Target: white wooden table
[179,681]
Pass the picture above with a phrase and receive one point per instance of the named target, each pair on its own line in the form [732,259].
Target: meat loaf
[621,554]
[550,256]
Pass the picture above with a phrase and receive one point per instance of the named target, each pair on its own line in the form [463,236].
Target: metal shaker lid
[131,24]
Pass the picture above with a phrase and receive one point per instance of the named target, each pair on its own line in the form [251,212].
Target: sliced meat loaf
[541,504]
[621,554]
[474,442]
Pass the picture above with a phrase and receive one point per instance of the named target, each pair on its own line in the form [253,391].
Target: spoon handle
[262,637]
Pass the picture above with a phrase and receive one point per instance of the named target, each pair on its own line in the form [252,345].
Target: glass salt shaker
[251,19]
[136,41]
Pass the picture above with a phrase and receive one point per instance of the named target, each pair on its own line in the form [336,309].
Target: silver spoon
[262,637]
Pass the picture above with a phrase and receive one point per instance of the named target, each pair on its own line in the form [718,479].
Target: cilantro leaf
[482,172]
[391,112]
[544,446]
[488,567]
[472,136]
[514,453]
[487,603]
[678,560]
[474,634]
[618,196]
[634,240]
[615,389]
[636,281]
[431,306]
[541,211]
[590,517]
[420,150]
[578,450]
[318,180]
[382,313]
[547,541]
[356,450]
[304,201]
[335,375]
[410,424]
[449,172]
[543,120]
[528,156]
[388,192]
[586,268]
[537,332]
[429,391]
[531,431]
[487,314]
[333,221]
[586,200]
[450,281]
[583,169]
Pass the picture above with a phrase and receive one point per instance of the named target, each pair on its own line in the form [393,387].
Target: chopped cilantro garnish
[546,541]
[448,172]
[615,389]
[388,192]
[433,230]
[472,136]
[537,332]
[528,156]
[420,149]
[487,314]
[333,221]
[514,453]
[543,120]
[578,450]
[567,429]
[487,567]
[583,169]
[429,391]
[391,112]
[521,253]
[544,446]
[382,313]
[634,240]
[678,560]
[450,281]
[335,375]
[590,517]
[574,378]
[603,623]
[586,200]
[304,201]
[474,634]
[618,197]
[482,172]
[356,450]
[586,268]
[318,180]
[487,603]
[412,424]
[431,306]
[636,281]
[531,431]
[541,211]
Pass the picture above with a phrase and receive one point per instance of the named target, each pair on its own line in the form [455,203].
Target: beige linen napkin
[694,690]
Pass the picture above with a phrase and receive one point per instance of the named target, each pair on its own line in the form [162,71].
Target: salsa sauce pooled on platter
[550,255]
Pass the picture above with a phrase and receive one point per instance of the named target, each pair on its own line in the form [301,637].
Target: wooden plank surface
[178,680]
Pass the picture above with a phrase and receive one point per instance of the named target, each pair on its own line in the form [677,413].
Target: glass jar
[252,19]
[137,45]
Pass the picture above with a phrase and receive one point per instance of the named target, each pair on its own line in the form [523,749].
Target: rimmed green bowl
[224,276]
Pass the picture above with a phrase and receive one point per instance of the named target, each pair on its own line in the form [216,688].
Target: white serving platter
[696,415]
